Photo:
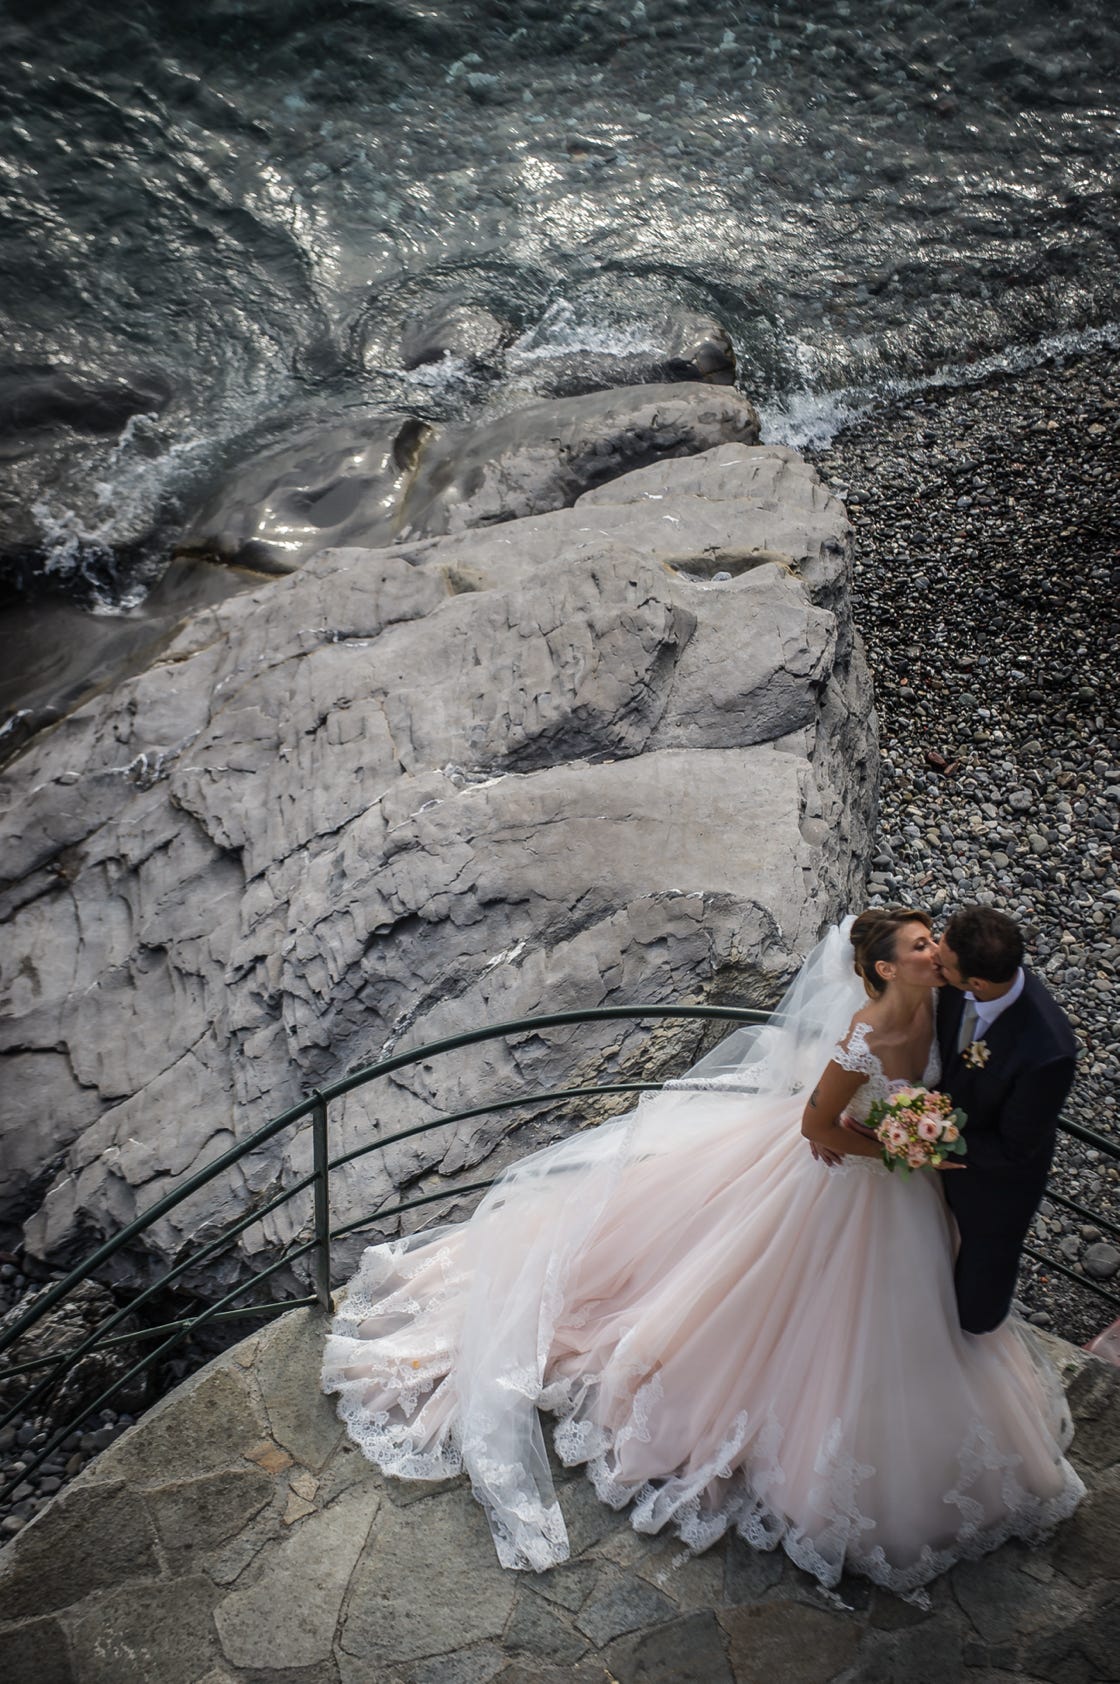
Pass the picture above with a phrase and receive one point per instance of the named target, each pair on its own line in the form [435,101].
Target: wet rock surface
[56,652]
[331,482]
[988,592]
[221,1540]
[371,479]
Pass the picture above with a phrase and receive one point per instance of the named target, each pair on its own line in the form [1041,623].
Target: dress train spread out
[729,1334]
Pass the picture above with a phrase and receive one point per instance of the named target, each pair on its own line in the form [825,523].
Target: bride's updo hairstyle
[873,936]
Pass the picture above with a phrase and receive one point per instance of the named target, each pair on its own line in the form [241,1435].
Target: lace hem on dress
[721,1496]
[738,1488]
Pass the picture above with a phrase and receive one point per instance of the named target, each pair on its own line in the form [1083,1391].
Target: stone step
[235,1534]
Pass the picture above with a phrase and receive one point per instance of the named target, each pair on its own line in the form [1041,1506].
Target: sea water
[220,222]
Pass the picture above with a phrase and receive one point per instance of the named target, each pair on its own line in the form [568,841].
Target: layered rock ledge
[235,1534]
[617,751]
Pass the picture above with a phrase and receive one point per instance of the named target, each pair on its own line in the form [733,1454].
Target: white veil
[477,1355]
[518,1283]
[789,1052]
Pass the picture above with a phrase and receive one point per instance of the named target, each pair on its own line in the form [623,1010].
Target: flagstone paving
[235,1534]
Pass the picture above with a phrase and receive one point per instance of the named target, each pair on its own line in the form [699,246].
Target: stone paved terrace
[235,1534]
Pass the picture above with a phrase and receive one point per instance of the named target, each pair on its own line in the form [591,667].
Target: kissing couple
[1004,1052]
[727,1338]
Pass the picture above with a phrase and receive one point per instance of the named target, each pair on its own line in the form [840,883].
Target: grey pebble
[1102,1261]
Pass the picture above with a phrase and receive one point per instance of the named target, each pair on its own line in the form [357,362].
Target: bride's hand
[824,1155]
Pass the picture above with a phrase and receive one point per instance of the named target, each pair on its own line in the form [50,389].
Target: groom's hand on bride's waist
[825,1154]
[853,1127]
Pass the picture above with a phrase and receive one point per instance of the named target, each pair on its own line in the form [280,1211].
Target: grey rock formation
[545,456]
[347,482]
[540,764]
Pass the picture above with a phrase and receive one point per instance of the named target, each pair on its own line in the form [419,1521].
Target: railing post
[321,1168]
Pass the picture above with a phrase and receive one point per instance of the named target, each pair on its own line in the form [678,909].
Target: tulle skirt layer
[728,1334]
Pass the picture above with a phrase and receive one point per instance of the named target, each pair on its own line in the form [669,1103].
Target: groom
[1007,1058]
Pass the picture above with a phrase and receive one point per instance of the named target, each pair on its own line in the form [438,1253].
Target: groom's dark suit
[1012,1104]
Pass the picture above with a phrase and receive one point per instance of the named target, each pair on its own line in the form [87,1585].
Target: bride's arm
[820,1121]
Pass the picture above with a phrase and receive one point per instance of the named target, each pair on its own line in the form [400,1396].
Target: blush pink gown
[728,1335]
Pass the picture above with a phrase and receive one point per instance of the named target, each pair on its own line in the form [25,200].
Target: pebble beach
[987,589]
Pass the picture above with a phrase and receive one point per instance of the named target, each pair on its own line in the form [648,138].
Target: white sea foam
[564,330]
[12,723]
[137,485]
[443,376]
[807,419]
[127,494]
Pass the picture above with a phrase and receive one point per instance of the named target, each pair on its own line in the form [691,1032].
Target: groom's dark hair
[988,944]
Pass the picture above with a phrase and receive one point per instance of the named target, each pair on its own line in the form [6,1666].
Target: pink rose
[915,1157]
[951,1132]
[929,1128]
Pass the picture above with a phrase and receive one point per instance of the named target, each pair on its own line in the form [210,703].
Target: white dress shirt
[988,1010]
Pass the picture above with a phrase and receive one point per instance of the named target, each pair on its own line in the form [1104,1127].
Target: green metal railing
[112,1333]
[1097,1218]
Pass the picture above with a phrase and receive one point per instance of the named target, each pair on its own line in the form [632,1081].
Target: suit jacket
[1011,1102]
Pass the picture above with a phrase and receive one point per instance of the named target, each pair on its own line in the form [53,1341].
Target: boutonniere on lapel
[977,1054]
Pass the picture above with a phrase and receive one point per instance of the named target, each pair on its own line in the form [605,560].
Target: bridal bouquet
[917,1128]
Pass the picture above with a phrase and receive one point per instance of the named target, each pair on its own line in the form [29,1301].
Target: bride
[732,1329]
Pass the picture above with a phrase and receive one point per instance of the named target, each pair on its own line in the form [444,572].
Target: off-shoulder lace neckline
[859,1056]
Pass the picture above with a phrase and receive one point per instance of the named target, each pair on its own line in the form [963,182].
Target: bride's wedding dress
[729,1333]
